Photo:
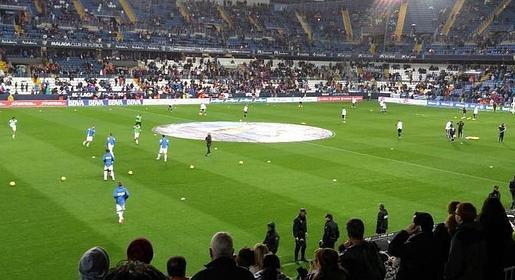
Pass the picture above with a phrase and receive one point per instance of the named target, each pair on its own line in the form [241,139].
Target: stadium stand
[309,27]
[416,49]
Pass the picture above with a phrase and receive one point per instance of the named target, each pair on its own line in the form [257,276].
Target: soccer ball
[268,161]
[12,183]
[241,162]
[192,166]
[183,198]
[130,172]
[63,179]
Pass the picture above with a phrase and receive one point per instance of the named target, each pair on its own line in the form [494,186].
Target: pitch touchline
[406,162]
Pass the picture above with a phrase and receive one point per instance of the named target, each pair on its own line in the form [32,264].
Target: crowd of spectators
[257,27]
[467,245]
[208,77]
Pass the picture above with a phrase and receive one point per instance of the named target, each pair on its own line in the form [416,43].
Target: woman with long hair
[328,266]
[260,250]
[271,269]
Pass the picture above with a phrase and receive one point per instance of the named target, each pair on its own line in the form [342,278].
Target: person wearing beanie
[272,238]
[416,248]
[468,253]
[140,250]
[94,264]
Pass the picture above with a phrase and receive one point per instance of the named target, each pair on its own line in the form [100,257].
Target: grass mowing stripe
[406,162]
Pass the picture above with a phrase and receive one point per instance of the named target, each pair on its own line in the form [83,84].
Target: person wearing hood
[94,264]
[272,238]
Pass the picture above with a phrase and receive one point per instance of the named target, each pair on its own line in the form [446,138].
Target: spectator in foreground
[140,250]
[416,249]
[361,258]
[498,234]
[512,191]
[176,267]
[272,238]
[260,251]
[245,258]
[222,265]
[328,267]
[135,270]
[467,255]
[94,264]
[271,269]
[442,234]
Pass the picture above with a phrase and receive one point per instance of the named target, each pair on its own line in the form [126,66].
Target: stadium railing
[509,273]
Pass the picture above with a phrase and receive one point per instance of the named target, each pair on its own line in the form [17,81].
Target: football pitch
[46,224]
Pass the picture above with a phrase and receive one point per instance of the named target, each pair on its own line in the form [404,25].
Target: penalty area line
[406,162]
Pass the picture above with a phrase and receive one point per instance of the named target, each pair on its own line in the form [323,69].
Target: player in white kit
[344,114]
[12,124]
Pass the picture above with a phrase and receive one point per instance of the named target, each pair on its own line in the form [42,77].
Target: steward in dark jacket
[300,230]
[382,220]
[271,239]
[331,233]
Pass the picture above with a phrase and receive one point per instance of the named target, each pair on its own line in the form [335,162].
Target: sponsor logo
[405,101]
[33,103]
[116,102]
[339,98]
[133,102]
[53,103]
[96,103]
[76,103]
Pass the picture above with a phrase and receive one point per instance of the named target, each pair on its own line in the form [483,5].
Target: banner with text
[32,103]
[339,98]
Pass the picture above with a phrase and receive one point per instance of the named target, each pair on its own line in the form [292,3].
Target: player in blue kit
[89,136]
[110,143]
[120,194]
[163,148]
[108,165]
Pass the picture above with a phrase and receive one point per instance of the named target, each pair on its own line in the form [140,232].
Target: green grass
[45,224]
